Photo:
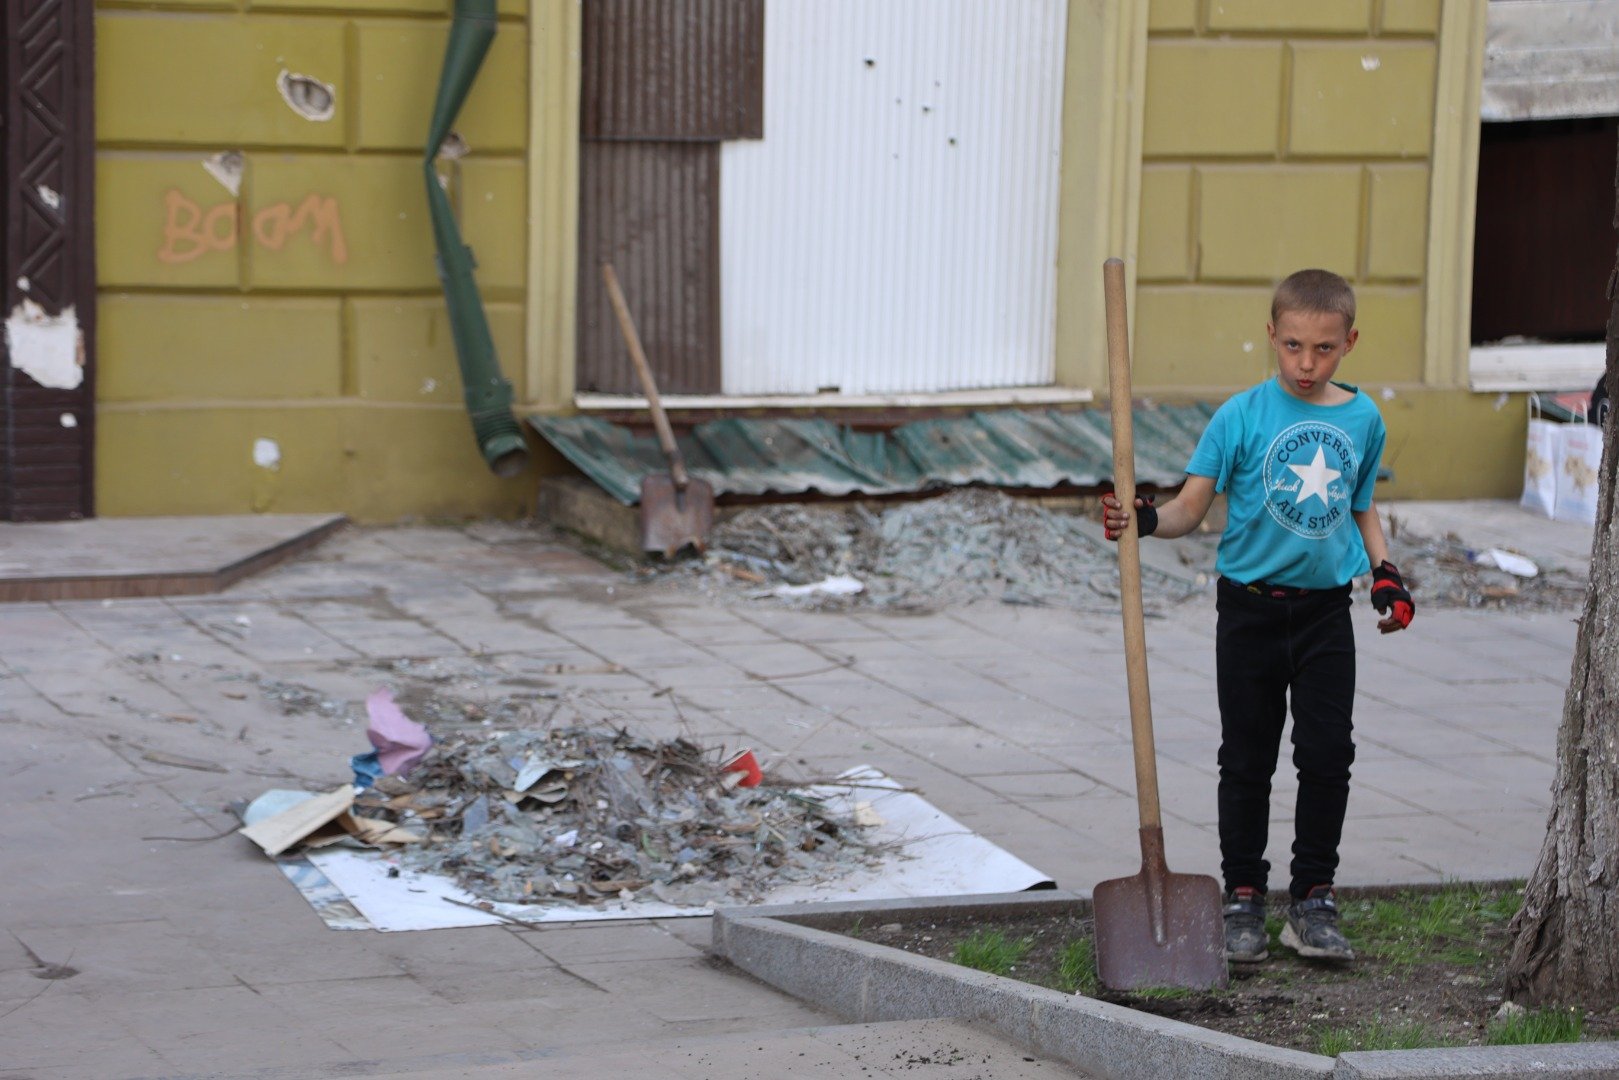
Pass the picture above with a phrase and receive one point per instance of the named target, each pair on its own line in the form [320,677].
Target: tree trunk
[1566,937]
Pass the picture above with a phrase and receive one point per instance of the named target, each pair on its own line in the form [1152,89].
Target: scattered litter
[742,770]
[400,741]
[1506,560]
[159,757]
[837,585]
[367,769]
[280,820]
[583,669]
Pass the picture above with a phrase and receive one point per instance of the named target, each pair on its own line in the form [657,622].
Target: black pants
[1268,648]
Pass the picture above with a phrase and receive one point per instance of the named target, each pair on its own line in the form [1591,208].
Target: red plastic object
[746,763]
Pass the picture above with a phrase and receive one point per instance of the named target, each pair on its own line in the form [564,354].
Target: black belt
[1265,588]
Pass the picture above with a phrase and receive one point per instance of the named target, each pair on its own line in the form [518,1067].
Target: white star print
[1315,477]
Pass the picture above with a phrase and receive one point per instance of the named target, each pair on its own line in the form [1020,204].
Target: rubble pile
[976,544]
[1446,573]
[969,545]
[586,814]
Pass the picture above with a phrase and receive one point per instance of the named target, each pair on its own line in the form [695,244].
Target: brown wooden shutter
[664,82]
[1543,243]
[47,161]
[673,69]
[652,210]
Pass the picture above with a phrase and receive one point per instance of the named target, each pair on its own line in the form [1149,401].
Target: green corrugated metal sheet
[1009,448]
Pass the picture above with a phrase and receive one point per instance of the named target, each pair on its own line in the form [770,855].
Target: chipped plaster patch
[69,420]
[50,197]
[226,167]
[454,147]
[46,347]
[23,284]
[267,454]
[307,96]
[1370,62]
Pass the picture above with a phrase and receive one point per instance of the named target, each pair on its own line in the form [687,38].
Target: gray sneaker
[1245,938]
[1312,927]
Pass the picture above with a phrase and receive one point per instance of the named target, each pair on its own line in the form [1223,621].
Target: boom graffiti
[190,233]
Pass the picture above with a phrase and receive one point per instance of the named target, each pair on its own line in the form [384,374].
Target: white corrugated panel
[896,229]
[1549,59]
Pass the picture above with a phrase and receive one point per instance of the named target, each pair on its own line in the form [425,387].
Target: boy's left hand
[1391,597]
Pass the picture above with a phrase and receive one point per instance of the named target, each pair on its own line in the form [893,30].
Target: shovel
[1154,928]
[676,511]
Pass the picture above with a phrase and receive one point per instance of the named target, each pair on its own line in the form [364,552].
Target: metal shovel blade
[671,518]
[1157,929]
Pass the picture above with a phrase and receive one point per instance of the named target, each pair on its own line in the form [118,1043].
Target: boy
[1296,456]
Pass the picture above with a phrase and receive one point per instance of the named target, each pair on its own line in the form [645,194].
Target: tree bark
[1566,936]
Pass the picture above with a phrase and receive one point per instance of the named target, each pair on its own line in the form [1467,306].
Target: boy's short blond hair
[1317,291]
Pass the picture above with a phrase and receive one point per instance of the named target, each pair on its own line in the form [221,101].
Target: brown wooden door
[47,162]
[1543,246]
[664,83]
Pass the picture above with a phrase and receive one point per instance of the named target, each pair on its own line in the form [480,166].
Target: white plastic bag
[1541,462]
[1579,462]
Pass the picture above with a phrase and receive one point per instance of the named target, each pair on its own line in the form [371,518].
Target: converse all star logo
[1309,472]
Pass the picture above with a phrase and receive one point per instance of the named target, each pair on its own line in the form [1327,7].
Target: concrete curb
[795,949]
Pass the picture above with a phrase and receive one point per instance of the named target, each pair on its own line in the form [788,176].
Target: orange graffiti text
[189,232]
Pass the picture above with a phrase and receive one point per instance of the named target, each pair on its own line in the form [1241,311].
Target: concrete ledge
[866,983]
[1566,1061]
[119,558]
[794,949]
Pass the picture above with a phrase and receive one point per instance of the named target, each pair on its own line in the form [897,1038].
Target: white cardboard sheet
[936,856]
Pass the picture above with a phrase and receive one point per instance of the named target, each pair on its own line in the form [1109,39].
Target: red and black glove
[1146,518]
[1390,597]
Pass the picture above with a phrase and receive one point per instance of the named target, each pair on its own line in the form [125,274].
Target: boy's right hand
[1115,520]
[1391,598]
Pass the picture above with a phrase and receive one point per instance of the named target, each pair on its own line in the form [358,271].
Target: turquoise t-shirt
[1292,471]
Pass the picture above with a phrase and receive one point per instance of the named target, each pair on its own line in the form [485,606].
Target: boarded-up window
[673,69]
[664,81]
[1544,243]
[652,210]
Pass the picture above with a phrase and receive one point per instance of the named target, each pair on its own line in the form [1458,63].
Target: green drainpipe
[488,393]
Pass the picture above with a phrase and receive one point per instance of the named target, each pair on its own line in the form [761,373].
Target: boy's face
[1309,346]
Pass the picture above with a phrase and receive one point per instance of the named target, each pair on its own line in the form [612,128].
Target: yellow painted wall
[304,307]
[1277,135]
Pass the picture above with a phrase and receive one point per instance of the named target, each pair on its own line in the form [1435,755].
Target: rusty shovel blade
[672,518]
[1158,929]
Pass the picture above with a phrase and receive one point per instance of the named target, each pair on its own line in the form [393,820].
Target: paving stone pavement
[187,954]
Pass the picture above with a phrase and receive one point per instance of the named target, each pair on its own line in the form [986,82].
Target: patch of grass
[1447,926]
[1164,993]
[991,951]
[1076,968]
[1541,1026]
[1377,1035]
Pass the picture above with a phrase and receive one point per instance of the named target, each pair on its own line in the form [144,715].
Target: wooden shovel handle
[626,325]
[1124,485]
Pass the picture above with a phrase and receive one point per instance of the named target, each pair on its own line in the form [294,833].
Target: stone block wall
[1279,135]
[267,265]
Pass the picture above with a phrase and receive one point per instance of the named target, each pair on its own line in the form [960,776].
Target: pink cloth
[401,742]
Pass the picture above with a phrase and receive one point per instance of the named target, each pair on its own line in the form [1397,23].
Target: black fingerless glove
[1146,516]
[1389,594]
